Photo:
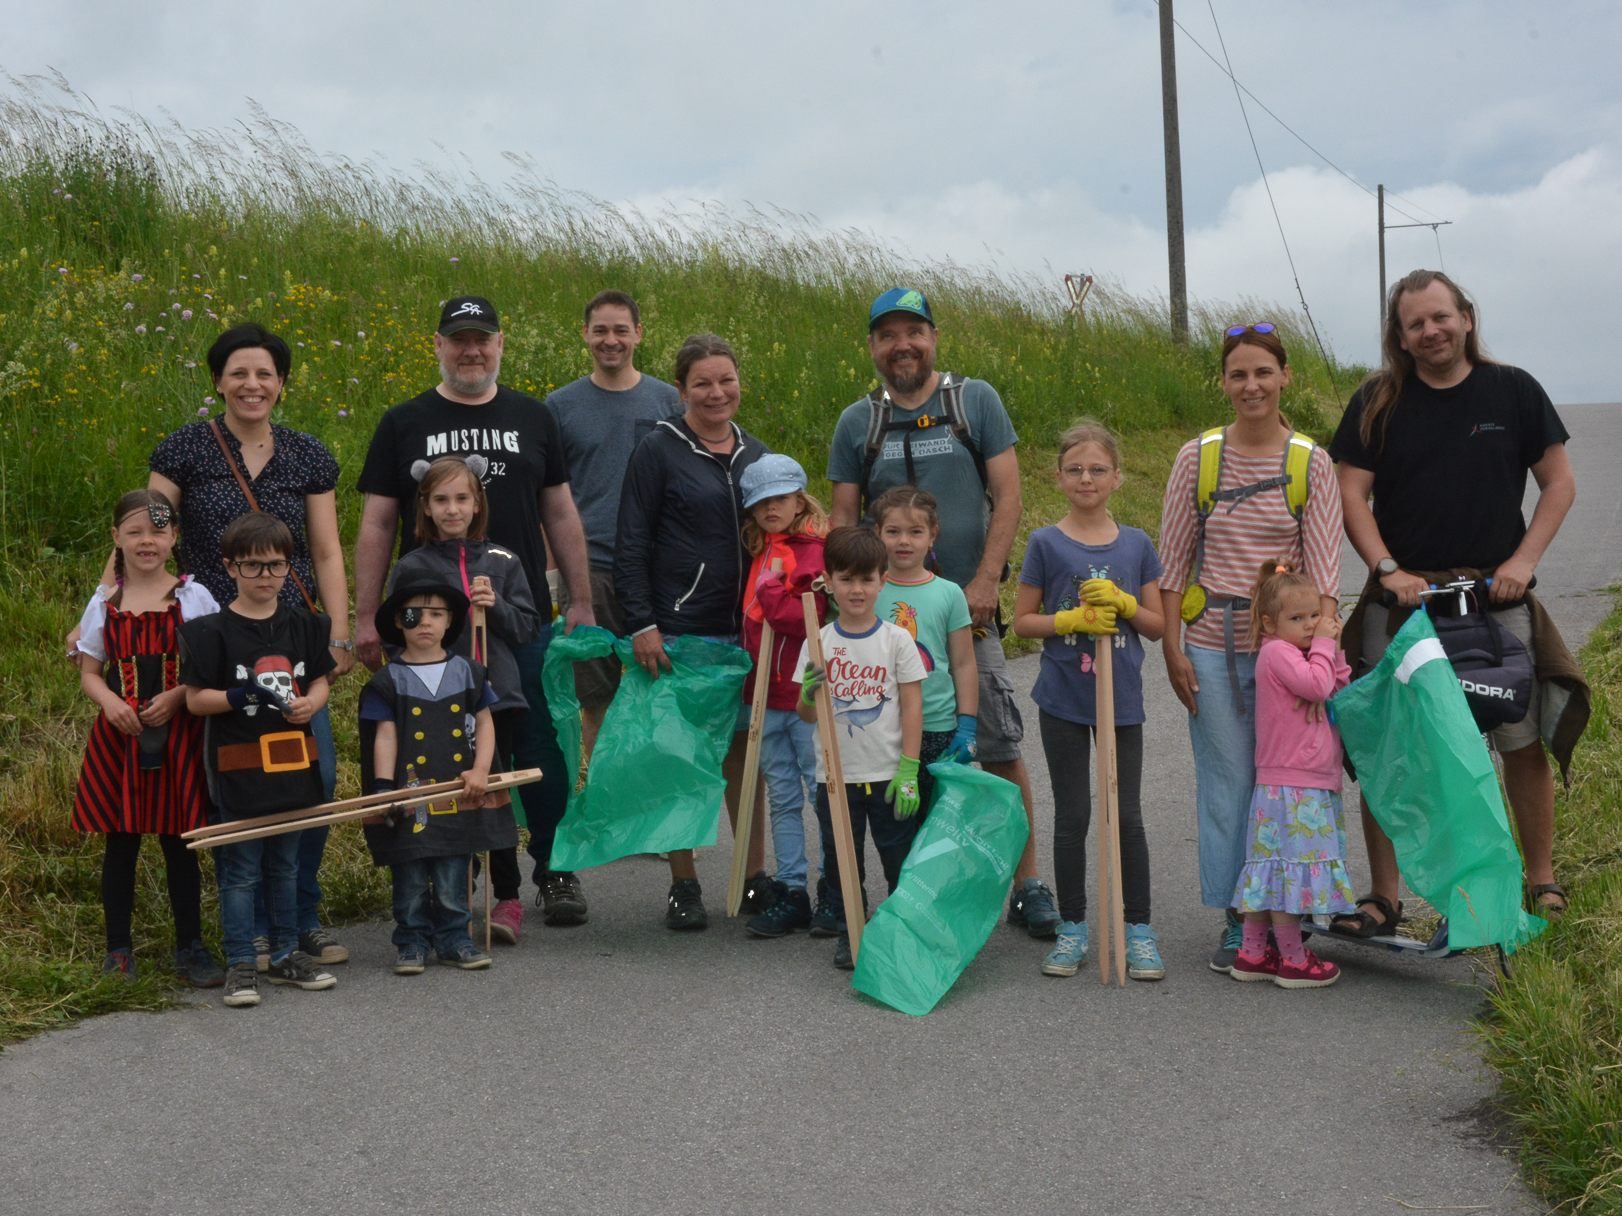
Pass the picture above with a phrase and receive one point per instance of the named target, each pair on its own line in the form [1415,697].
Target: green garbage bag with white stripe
[655,783]
[1427,776]
[950,894]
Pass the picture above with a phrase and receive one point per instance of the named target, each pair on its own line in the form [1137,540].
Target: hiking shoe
[322,946]
[562,900]
[685,908]
[1249,970]
[410,960]
[842,955]
[299,970]
[119,962]
[1233,936]
[1315,973]
[1069,952]
[241,985]
[759,893]
[467,956]
[790,910]
[1143,960]
[825,920]
[261,954]
[506,921]
[198,967]
[1033,906]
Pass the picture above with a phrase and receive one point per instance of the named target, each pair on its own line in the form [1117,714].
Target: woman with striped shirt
[1210,563]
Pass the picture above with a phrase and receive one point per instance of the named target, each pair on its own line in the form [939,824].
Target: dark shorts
[596,680]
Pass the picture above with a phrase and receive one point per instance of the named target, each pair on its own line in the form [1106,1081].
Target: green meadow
[126,247]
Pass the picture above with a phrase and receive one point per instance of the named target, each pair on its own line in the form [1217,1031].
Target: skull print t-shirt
[257,762]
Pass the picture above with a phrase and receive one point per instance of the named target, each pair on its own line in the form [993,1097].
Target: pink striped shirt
[1240,537]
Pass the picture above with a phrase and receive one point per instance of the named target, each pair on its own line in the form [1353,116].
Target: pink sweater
[1289,749]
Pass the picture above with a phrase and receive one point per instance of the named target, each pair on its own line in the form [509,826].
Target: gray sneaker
[467,956]
[241,986]
[322,946]
[1037,909]
[299,970]
[1233,936]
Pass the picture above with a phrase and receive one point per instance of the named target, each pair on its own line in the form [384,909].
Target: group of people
[644,507]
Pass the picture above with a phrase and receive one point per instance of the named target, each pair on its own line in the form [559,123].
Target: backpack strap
[878,422]
[1297,459]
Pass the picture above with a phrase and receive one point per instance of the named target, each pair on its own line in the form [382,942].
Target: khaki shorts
[1000,730]
[596,680]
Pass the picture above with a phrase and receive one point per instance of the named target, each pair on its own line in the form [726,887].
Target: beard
[912,381]
[469,382]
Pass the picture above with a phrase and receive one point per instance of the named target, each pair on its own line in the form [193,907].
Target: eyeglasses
[276,568]
[1095,471]
[410,618]
[1261,327]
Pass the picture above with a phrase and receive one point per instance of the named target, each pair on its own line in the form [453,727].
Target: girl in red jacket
[784,538]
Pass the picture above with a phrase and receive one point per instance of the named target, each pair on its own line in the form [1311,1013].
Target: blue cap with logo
[900,299]
[770,476]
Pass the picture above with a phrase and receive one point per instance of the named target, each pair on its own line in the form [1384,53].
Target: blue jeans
[241,870]
[788,760]
[535,745]
[1224,769]
[430,904]
[312,842]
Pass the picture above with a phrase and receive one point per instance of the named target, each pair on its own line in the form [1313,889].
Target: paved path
[620,1068]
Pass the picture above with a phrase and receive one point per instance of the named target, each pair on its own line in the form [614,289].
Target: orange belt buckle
[268,742]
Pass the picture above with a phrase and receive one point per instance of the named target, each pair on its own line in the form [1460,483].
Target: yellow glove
[1102,591]
[1088,618]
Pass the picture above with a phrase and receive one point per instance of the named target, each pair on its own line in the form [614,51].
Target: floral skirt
[1295,853]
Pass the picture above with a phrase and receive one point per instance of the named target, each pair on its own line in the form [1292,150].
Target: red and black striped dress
[115,794]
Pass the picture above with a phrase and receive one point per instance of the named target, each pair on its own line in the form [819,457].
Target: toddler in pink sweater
[1295,862]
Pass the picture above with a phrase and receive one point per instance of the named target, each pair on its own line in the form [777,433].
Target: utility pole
[1174,176]
[1380,202]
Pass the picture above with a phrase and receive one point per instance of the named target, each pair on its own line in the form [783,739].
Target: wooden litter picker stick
[850,882]
[1111,917]
[236,831]
[749,790]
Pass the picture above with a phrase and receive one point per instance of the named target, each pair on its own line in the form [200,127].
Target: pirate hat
[389,630]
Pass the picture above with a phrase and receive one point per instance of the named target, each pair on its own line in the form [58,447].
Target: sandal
[1361,924]
[1549,911]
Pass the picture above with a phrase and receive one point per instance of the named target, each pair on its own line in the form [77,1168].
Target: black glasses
[276,568]
[1261,327]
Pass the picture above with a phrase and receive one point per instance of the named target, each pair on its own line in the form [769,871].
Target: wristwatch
[1386,565]
[340,644]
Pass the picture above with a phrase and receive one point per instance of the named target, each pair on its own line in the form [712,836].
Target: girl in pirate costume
[142,770]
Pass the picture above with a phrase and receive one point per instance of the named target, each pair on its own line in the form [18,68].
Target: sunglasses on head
[1261,327]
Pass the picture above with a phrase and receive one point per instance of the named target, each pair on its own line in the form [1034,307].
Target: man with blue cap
[951,436]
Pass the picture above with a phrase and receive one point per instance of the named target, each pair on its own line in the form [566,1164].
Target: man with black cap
[527,483]
[951,436]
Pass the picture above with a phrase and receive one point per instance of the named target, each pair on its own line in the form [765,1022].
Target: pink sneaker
[1318,973]
[1249,970]
[506,921]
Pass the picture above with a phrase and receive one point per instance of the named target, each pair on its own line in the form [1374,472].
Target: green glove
[1088,618]
[903,790]
[810,681]
[1102,591]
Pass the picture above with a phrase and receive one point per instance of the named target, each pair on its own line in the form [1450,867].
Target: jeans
[1224,769]
[312,842]
[892,837]
[1067,746]
[430,904]
[788,760]
[241,869]
[535,745]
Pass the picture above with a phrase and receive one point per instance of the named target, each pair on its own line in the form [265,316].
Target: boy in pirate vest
[256,673]
[428,717]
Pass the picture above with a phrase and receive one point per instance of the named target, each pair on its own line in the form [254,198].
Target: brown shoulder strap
[253,503]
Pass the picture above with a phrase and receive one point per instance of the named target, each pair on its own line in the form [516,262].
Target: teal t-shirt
[929,612]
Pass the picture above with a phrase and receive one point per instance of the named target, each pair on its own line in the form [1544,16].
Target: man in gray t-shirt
[978,519]
[602,417]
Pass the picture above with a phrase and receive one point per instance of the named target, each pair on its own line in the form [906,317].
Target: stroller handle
[1459,587]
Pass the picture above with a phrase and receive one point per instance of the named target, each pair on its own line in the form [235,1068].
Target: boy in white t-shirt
[875,679]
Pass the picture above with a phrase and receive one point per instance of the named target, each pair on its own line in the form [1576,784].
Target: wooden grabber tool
[749,789]
[850,882]
[1111,918]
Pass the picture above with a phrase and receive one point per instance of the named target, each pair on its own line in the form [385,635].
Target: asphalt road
[618,1067]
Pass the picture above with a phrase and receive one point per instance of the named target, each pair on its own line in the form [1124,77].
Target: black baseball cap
[468,312]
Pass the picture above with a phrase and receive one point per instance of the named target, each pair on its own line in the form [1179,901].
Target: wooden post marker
[749,790]
[850,883]
[1111,917]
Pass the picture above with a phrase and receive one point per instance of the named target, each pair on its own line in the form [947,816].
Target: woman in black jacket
[679,562]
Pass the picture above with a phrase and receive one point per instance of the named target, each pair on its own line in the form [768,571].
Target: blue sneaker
[1143,954]
[1034,907]
[1233,936]
[1069,952]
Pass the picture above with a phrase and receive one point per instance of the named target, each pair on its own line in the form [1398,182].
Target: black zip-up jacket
[679,561]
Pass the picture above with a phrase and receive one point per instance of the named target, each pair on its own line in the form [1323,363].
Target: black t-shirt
[514,432]
[288,650]
[1450,476]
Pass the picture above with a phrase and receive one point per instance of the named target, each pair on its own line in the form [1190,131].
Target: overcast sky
[1027,136]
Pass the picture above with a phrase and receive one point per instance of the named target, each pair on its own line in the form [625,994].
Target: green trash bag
[1426,774]
[655,781]
[950,894]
